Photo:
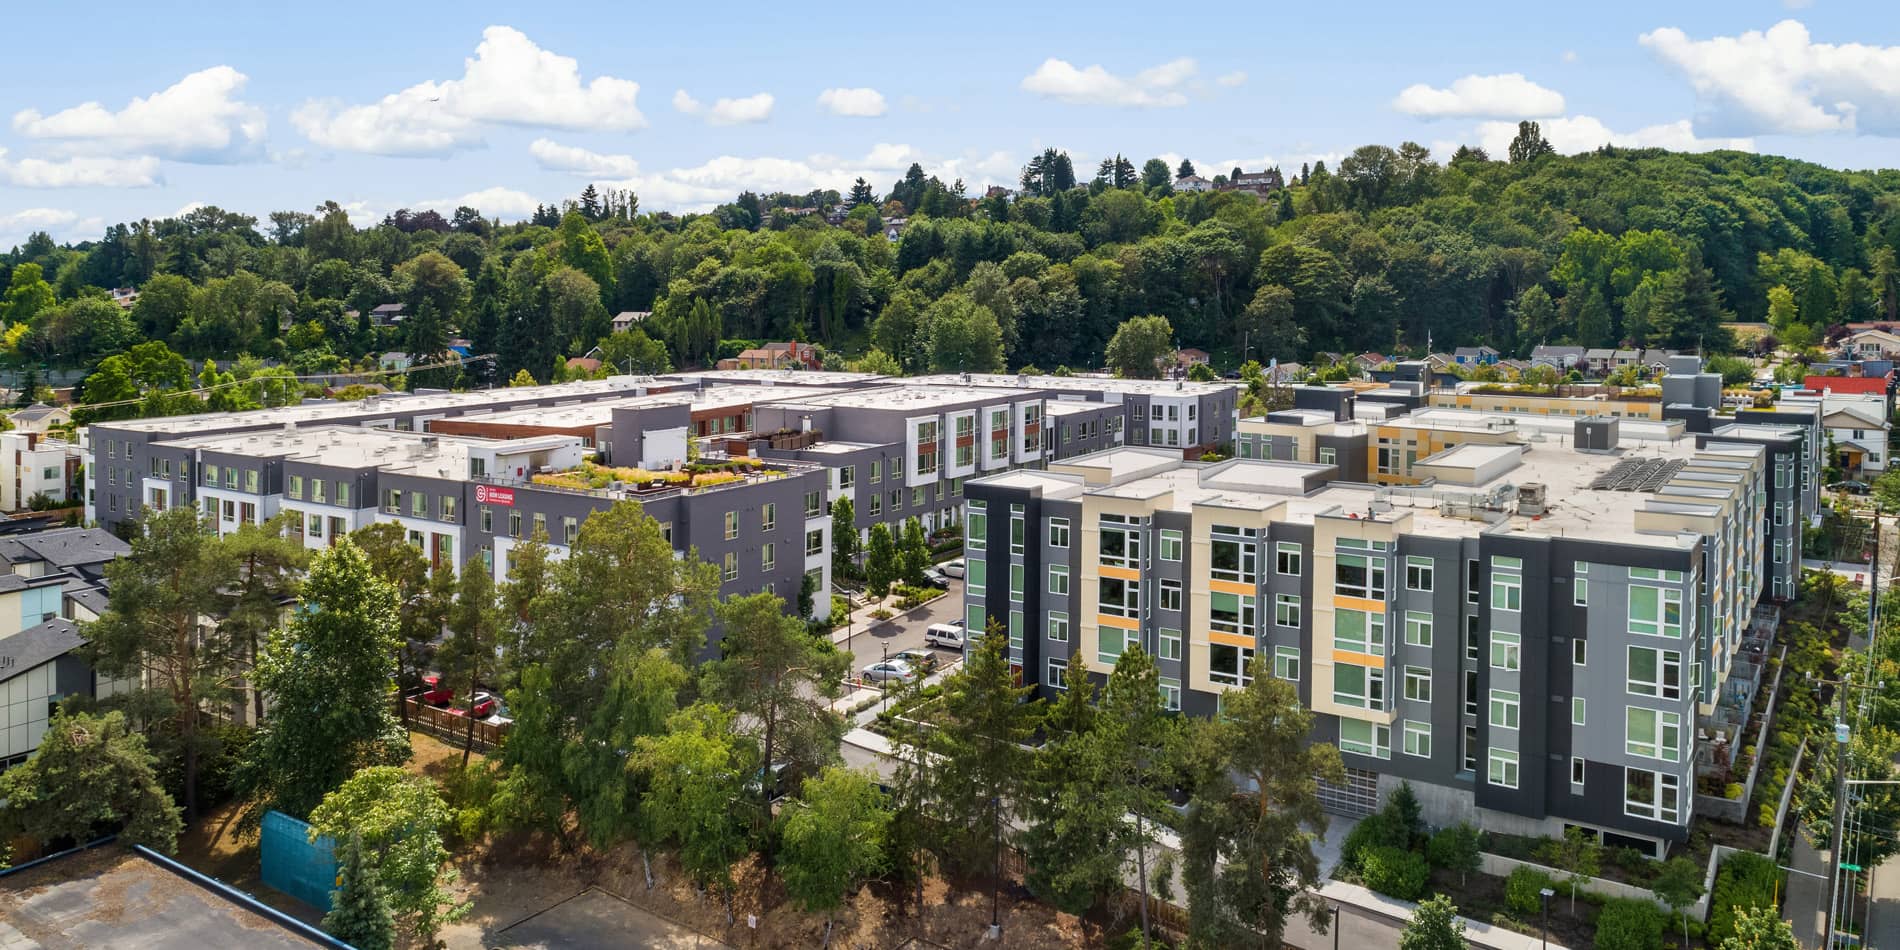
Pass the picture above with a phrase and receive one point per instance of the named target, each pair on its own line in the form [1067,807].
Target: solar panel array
[1638,475]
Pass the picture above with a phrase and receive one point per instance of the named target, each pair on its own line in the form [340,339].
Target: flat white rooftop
[394,404]
[1102,384]
[600,412]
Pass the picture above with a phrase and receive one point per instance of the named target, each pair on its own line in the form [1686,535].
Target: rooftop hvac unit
[1531,499]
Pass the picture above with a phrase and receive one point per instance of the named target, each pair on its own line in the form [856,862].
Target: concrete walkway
[1806,904]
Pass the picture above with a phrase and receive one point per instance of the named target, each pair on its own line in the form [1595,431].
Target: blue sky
[128,112]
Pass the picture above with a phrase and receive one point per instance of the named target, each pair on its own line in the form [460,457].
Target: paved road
[872,642]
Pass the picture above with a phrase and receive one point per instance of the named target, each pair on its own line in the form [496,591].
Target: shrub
[1394,872]
[1381,829]
[1455,849]
[1521,890]
[1732,791]
[1630,924]
[880,614]
[1744,881]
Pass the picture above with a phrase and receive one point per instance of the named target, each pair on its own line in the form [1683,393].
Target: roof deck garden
[591,476]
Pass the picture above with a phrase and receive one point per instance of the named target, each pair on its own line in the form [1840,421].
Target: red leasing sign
[491,495]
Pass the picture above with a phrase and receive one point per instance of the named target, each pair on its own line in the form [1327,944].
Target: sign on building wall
[493,495]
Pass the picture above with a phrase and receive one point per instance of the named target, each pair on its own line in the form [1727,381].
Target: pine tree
[861,194]
[844,537]
[1186,169]
[590,203]
[880,560]
[914,555]
[359,913]
[29,385]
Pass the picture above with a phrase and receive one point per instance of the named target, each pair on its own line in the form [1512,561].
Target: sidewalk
[1807,894]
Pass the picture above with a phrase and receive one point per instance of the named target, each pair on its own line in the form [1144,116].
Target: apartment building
[34,467]
[1525,623]
[1177,414]
[51,579]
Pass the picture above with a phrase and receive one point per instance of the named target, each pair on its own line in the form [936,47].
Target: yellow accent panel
[1232,587]
[1119,623]
[1230,639]
[1122,573]
[1359,603]
[1351,658]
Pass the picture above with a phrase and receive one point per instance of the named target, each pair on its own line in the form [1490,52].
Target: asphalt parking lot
[869,644]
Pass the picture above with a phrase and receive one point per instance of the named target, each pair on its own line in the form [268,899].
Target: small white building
[39,417]
[32,465]
[1192,183]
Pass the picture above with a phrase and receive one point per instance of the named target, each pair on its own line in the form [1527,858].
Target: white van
[947,635]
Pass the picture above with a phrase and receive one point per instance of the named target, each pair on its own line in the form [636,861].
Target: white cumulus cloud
[496,202]
[1782,81]
[80,171]
[1163,86]
[198,118]
[863,101]
[1582,133]
[62,224]
[568,158]
[756,108]
[509,81]
[1505,94]
[683,101]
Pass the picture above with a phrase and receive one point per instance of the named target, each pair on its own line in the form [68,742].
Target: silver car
[889,671]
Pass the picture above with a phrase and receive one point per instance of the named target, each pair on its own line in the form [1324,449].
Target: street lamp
[1543,934]
[1335,926]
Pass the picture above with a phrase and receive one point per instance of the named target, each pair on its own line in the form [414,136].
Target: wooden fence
[452,729]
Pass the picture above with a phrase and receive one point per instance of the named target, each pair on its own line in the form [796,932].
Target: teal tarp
[295,866]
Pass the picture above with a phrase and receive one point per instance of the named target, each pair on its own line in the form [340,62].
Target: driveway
[870,641]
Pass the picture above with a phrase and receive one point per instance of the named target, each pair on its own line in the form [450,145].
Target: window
[976,526]
[1576,710]
[1058,677]
[1418,738]
[1654,795]
[1120,542]
[877,505]
[1502,770]
[540,523]
[1058,532]
[1418,684]
[1472,582]
[419,504]
[1505,651]
[1418,628]
[1360,687]
[1469,756]
[1507,590]
[1652,733]
[1504,709]
[1171,595]
[976,579]
[1365,738]
[488,520]
[1471,639]
[1111,642]
[1117,597]
[1471,692]
[1580,584]
[847,476]
[1233,556]
[1286,663]
[1655,611]
[1576,770]
[1418,573]
[448,508]
[295,490]
[342,494]
[1286,610]
[1170,545]
[1170,693]
[768,556]
[1232,613]
[315,529]
[1169,644]
[570,529]
[768,517]
[1328,456]
[1016,573]
[1059,579]
[392,501]
[917,498]
[814,504]
[250,480]
[1058,626]
[877,471]
[1359,575]
[814,543]
[1018,531]
[1229,665]
[1655,673]
[732,566]
[1359,631]
[514,524]
[1286,558]
[1580,652]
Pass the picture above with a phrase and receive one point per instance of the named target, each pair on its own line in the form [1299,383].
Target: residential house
[1598,361]
[49,579]
[394,361]
[1193,183]
[39,417]
[1187,358]
[627,319]
[1475,356]
[1258,184]
[1368,361]
[125,297]
[1564,358]
[585,364]
[1870,344]
[792,355]
[389,314]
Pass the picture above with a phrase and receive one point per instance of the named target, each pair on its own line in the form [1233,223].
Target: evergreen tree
[29,388]
[1185,169]
[880,560]
[982,763]
[1070,844]
[914,557]
[844,538]
[90,775]
[590,203]
[861,194]
[359,913]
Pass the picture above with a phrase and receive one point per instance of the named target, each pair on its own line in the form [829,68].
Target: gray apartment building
[1530,620]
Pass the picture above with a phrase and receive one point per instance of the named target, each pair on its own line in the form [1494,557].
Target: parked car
[1852,488]
[889,671]
[923,661]
[485,704]
[434,693]
[954,568]
[947,635]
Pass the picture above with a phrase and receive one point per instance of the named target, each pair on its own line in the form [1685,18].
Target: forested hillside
[1383,252]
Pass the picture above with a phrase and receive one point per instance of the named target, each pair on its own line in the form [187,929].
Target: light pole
[1335,927]
[996,872]
[1543,934]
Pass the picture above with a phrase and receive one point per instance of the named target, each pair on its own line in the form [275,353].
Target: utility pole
[1841,735]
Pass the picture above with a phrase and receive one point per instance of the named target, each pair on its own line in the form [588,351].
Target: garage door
[1356,798]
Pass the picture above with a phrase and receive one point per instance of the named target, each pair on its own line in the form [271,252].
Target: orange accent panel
[1119,623]
[1230,639]
[1232,587]
[1360,603]
[1352,658]
[1122,573]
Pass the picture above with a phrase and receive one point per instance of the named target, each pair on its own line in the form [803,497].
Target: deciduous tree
[90,776]
[832,838]
[398,818]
